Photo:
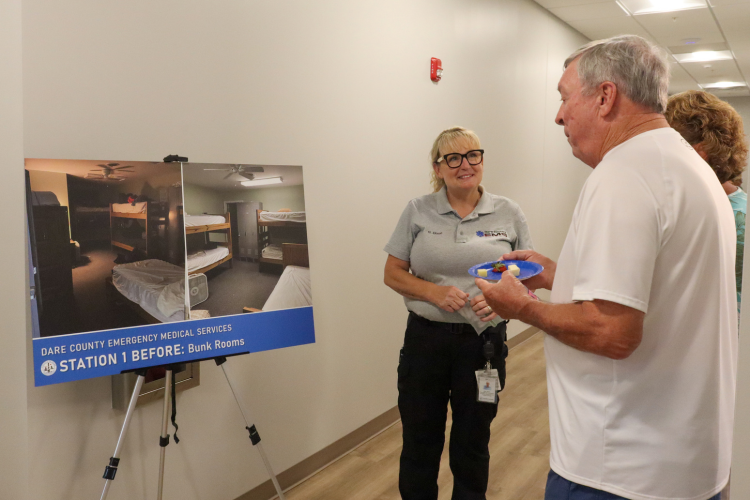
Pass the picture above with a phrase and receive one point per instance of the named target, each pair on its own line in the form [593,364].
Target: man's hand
[543,280]
[449,298]
[507,297]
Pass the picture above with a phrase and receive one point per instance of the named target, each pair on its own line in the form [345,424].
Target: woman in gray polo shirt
[438,238]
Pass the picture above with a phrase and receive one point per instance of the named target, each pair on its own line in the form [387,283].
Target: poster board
[116,284]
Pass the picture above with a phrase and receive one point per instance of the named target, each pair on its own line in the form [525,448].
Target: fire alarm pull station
[436,69]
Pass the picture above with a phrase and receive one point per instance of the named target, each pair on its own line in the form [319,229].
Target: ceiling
[715,25]
[223,178]
[193,173]
[130,170]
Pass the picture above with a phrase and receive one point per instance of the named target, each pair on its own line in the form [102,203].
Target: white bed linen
[203,220]
[272,252]
[157,286]
[204,258]
[283,216]
[128,208]
[292,290]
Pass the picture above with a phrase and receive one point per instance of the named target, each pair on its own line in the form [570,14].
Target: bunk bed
[152,288]
[90,223]
[207,259]
[278,228]
[126,230]
[293,288]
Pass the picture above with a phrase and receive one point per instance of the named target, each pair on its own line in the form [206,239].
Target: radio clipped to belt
[488,382]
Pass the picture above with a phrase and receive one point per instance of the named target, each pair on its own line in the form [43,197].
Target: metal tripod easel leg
[114,461]
[111,469]
[254,436]
[164,438]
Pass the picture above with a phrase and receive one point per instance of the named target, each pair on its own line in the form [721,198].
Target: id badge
[487,386]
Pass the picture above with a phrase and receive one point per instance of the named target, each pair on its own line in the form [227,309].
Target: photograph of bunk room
[246,238]
[109,243]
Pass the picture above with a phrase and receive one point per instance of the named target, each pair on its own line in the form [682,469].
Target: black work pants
[437,366]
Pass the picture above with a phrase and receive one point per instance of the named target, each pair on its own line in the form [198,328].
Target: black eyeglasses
[454,160]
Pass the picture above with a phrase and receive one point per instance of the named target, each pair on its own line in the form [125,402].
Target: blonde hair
[449,141]
[701,118]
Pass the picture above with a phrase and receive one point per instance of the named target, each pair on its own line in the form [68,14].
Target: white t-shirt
[652,230]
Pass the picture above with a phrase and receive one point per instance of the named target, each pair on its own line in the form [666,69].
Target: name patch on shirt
[483,234]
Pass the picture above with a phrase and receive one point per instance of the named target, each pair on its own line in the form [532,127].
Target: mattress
[292,290]
[203,220]
[129,208]
[44,198]
[283,216]
[272,252]
[157,286]
[205,258]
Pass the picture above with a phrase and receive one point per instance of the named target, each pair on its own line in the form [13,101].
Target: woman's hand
[449,298]
[482,308]
[543,280]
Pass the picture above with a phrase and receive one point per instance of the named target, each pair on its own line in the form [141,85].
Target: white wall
[339,87]
[292,197]
[13,343]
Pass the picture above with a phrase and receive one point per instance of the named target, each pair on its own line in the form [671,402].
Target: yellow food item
[482,272]
[514,270]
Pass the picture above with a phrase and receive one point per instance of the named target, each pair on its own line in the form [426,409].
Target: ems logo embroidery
[483,234]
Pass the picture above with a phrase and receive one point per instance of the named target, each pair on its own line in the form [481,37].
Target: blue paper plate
[528,269]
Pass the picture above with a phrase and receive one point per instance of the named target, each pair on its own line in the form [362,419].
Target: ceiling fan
[245,171]
[109,172]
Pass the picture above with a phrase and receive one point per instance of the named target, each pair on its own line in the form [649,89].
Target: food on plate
[499,267]
[514,270]
[482,272]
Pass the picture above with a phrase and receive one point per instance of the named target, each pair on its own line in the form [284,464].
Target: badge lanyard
[488,382]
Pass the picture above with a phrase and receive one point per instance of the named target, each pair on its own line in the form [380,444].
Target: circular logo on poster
[49,367]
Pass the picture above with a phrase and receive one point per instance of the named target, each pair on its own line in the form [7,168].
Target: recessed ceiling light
[723,85]
[262,182]
[704,56]
[638,7]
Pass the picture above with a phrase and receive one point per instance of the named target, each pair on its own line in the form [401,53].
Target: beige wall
[339,87]
[200,200]
[14,477]
[292,197]
[50,181]
[741,455]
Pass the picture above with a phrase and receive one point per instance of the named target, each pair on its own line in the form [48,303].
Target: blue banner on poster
[95,354]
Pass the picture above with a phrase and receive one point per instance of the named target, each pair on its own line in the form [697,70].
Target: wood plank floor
[519,447]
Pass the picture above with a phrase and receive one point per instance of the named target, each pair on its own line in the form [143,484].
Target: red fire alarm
[436,69]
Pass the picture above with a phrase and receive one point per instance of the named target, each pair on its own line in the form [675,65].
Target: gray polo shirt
[441,247]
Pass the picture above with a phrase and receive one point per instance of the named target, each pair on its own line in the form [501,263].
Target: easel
[114,461]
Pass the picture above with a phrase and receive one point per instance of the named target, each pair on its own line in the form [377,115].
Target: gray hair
[638,68]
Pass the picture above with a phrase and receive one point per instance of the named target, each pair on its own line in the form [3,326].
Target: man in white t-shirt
[641,341]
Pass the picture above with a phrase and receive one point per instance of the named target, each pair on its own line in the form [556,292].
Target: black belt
[457,328]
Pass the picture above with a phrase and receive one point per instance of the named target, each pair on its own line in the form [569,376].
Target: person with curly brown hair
[715,131]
